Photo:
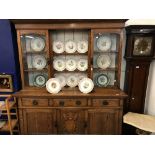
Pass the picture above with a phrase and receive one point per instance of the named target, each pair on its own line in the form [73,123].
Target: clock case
[137,71]
[135,31]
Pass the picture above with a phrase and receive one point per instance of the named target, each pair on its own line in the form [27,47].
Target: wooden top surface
[74,93]
[29,24]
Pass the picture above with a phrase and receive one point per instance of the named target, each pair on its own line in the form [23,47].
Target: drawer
[105,103]
[68,102]
[34,102]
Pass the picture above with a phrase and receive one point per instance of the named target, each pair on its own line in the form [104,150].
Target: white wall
[150,93]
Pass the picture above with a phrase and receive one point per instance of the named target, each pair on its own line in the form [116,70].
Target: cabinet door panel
[137,86]
[103,121]
[38,121]
[71,121]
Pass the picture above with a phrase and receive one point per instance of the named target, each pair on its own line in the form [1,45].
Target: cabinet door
[71,121]
[38,121]
[103,121]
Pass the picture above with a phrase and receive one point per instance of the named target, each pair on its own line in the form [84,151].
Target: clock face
[142,46]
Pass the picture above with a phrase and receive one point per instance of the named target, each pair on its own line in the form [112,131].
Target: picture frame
[6,84]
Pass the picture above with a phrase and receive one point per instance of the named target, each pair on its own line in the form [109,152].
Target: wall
[8,52]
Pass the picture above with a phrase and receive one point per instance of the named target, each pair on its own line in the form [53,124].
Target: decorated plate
[104,43]
[82,46]
[59,64]
[40,80]
[71,65]
[86,85]
[39,62]
[72,81]
[62,80]
[70,46]
[58,47]
[37,44]
[102,80]
[82,65]
[81,76]
[103,61]
[53,86]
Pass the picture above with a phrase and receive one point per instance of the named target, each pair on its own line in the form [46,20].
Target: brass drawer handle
[105,103]
[61,103]
[35,102]
[78,103]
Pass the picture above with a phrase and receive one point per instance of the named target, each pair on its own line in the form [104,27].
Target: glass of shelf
[105,59]
[35,59]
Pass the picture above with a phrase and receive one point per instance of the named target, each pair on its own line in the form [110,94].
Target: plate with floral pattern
[70,46]
[58,47]
[53,85]
[37,44]
[82,46]
[59,64]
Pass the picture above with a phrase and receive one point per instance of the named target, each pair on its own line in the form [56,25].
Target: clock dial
[142,46]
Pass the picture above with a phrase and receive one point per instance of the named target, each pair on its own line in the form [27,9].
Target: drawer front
[34,102]
[105,103]
[68,102]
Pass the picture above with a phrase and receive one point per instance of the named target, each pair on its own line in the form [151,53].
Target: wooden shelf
[11,104]
[33,52]
[36,70]
[65,53]
[6,126]
[96,52]
[107,69]
[71,71]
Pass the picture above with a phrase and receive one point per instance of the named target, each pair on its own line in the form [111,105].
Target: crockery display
[71,65]
[82,46]
[59,64]
[104,43]
[39,62]
[40,80]
[37,44]
[58,47]
[70,46]
[53,86]
[72,81]
[103,61]
[86,85]
[102,80]
[62,80]
[82,65]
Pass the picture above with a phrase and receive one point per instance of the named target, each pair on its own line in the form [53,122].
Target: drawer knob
[105,103]
[35,102]
[78,102]
[61,103]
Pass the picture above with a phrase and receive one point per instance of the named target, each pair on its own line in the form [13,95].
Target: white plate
[71,65]
[86,85]
[40,80]
[82,65]
[39,62]
[53,86]
[103,61]
[82,46]
[102,80]
[70,46]
[58,47]
[104,43]
[72,81]
[37,44]
[59,64]
[62,80]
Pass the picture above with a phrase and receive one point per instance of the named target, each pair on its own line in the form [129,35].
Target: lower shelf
[6,126]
